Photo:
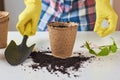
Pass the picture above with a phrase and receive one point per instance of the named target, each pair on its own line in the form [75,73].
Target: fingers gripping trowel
[16,54]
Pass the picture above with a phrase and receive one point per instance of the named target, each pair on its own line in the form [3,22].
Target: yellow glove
[104,11]
[28,19]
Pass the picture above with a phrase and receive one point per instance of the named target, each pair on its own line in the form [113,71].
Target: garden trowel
[16,54]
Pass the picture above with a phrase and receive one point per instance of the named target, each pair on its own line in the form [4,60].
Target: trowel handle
[24,40]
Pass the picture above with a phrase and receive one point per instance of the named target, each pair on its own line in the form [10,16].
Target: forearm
[102,1]
[32,2]
[29,17]
[104,11]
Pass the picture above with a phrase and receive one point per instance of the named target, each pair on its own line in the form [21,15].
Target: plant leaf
[104,52]
[113,47]
[90,50]
[87,45]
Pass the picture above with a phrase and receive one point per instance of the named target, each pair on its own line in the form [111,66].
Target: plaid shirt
[79,11]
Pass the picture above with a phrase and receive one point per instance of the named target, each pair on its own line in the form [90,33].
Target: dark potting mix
[44,59]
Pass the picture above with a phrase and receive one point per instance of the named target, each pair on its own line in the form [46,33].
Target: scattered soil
[54,64]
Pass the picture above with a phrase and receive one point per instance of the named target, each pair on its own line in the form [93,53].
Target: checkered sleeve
[51,11]
[87,21]
[79,11]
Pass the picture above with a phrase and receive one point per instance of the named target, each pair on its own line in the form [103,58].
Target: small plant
[104,50]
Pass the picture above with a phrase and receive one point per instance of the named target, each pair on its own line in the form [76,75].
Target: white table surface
[101,68]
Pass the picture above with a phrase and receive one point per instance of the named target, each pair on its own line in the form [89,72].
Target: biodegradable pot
[62,37]
[4,19]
